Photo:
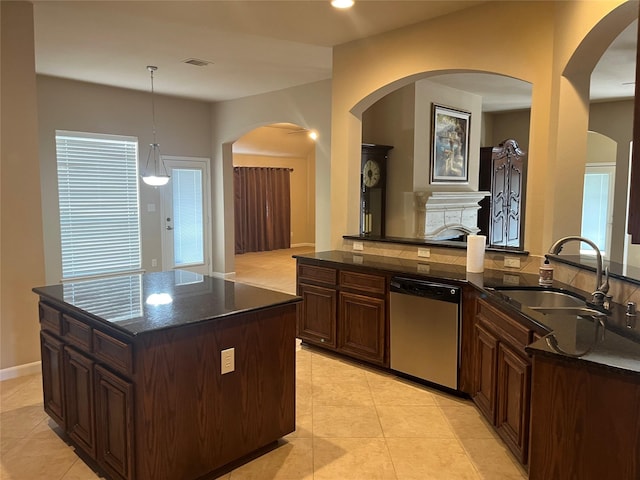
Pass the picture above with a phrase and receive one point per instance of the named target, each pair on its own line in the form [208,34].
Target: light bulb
[156,181]
[342,3]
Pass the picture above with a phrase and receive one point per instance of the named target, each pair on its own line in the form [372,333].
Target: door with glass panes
[186,214]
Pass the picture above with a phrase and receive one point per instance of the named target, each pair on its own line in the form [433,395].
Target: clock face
[370,173]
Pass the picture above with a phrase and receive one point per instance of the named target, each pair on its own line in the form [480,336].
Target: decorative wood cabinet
[74,391]
[503,173]
[503,376]
[343,310]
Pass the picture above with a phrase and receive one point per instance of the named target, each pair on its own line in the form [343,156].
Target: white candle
[475,253]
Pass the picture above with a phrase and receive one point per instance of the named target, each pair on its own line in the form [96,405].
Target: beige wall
[21,225]
[302,191]
[183,129]
[307,106]
[559,113]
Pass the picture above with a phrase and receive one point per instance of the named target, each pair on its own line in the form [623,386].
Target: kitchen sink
[543,298]
[579,311]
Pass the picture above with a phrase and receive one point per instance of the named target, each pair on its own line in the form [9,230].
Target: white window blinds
[98,197]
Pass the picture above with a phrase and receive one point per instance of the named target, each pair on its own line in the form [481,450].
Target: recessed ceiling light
[342,3]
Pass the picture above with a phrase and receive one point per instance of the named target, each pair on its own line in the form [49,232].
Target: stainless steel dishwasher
[425,330]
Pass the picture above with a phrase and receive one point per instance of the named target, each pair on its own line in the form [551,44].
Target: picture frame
[449,144]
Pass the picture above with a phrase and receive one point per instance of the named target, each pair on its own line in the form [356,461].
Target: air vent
[197,62]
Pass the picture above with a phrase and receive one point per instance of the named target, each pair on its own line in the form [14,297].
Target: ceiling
[258,46]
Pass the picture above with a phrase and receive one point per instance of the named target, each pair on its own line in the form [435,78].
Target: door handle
[169,227]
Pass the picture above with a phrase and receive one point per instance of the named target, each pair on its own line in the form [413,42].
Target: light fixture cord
[153,106]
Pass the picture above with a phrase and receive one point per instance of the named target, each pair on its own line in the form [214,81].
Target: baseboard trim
[294,245]
[20,370]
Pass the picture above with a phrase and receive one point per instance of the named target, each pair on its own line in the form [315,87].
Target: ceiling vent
[197,62]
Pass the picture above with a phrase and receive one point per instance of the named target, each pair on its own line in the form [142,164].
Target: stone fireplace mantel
[446,215]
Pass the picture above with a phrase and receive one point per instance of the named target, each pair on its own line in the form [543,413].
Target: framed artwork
[449,145]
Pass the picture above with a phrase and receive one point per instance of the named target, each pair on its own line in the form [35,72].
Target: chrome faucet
[599,296]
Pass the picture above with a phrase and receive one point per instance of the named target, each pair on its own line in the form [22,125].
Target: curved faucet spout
[602,287]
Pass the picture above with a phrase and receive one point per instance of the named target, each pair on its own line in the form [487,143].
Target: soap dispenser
[546,273]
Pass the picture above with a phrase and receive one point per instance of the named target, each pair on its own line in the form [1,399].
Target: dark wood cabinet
[317,319]
[79,399]
[486,363]
[52,353]
[513,398]
[501,215]
[361,331]
[503,376]
[585,421]
[114,422]
[344,310]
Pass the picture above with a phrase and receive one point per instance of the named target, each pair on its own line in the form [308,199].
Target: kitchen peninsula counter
[132,371]
[618,349]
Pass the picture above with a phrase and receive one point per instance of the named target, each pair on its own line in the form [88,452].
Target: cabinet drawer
[314,274]
[50,319]
[362,281]
[76,332]
[515,333]
[113,352]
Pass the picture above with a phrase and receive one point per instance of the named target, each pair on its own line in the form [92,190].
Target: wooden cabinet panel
[52,351]
[363,282]
[317,319]
[512,417]
[79,396]
[361,331]
[76,332]
[50,319]
[315,274]
[585,422]
[486,361]
[114,423]
[113,352]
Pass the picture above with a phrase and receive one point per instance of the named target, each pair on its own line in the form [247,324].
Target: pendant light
[154,176]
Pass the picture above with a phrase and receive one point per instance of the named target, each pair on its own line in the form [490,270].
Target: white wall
[183,129]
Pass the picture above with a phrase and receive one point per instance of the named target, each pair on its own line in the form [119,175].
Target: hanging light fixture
[154,176]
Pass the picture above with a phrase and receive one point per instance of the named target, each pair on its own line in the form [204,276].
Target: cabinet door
[79,396]
[361,327]
[317,319]
[512,419]
[485,367]
[53,377]
[114,423]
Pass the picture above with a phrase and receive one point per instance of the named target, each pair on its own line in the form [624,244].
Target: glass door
[185,215]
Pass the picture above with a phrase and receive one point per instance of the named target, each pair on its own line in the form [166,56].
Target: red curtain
[262,202]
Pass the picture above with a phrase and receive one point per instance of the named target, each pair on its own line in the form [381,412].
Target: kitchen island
[132,371]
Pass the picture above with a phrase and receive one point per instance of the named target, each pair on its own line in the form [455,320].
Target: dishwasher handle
[425,289]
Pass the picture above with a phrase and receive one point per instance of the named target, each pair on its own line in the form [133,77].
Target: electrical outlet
[512,262]
[154,262]
[359,246]
[511,279]
[227,360]
[424,268]
[424,252]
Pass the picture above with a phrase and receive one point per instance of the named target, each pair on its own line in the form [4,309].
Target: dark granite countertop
[570,336]
[136,304]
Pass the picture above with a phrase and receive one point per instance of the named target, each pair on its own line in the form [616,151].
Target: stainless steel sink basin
[578,311]
[543,298]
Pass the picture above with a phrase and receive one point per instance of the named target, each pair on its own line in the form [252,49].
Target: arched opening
[281,150]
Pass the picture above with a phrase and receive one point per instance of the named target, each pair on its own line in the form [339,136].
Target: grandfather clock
[373,185]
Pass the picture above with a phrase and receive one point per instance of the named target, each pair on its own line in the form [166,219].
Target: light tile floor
[353,422]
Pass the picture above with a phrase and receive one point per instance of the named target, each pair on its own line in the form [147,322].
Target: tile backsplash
[621,291]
